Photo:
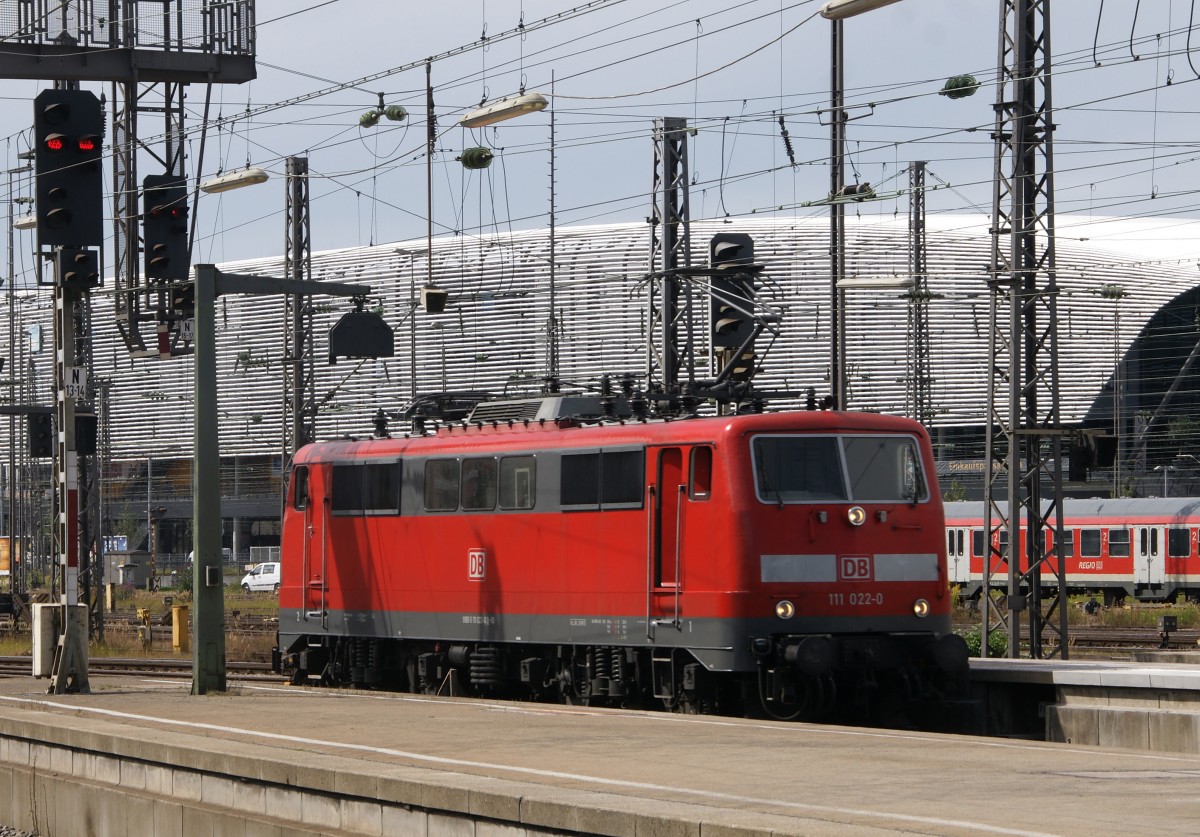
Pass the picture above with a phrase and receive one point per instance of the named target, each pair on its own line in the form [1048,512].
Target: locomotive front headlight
[921,608]
[785,609]
[857,515]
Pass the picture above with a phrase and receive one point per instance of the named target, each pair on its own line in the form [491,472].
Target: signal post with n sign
[68,127]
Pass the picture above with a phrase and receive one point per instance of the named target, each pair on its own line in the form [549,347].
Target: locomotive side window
[346,496]
[381,488]
[518,482]
[1089,543]
[300,488]
[441,485]
[701,474]
[621,473]
[1118,543]
[1179,542]
[610,479]
[479,484]
[580,481]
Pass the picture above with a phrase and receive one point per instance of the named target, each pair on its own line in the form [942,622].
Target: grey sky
[1125,143]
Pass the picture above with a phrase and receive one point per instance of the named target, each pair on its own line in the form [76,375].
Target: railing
[225,28]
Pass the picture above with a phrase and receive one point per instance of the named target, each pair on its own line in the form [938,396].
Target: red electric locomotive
[792,563]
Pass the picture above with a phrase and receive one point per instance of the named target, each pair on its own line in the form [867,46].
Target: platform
[1145,705]
[145,757]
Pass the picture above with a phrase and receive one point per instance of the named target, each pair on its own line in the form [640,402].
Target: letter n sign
[854,568]
[476,564]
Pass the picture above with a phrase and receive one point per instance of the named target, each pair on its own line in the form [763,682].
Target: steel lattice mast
[919,396]
[1023,393]
[670,249]
[299,398]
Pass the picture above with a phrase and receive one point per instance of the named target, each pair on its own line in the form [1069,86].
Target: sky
[1124,98]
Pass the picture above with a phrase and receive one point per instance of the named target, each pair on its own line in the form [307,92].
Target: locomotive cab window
[300,487]
[700,475]
[441,485]
[798,469]
[863,469]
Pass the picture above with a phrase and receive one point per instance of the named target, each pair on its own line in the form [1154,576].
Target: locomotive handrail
[650,490]
[678,557]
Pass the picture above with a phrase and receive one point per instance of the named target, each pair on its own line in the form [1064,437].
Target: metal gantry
[669,354]
[1024,447]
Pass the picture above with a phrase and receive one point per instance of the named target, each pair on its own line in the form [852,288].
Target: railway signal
[77,269]
[731,258]
[69,131]
[164,227]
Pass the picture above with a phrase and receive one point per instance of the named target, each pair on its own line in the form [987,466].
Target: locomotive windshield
[861,469]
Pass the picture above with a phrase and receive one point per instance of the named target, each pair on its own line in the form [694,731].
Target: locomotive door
[1149,560]
[672,493]
[316,532]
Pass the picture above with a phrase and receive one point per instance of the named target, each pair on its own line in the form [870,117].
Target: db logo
[476,564]
[854,568]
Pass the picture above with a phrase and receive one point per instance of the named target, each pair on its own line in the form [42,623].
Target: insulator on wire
[395,113]
[369,119]
[476,158]
[959,87]
[787,141]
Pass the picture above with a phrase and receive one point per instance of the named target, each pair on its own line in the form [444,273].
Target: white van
[262,578]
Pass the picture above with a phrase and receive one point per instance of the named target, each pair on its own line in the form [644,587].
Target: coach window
[1179,542]
[977,542]
[347,494]
[381,488]
[441,485]
[300,487]
[1089,543]
[479,484]
[518,484]
[1068,543]
[1118,543]
[1002,539]
[700,475]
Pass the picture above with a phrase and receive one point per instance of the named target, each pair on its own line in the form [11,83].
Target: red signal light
[87,144]
[54,142]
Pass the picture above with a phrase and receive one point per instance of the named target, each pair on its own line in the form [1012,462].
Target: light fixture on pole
[875,282]
[249,176]
[25,222]
[503,109]
[836,11]
[842,9]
